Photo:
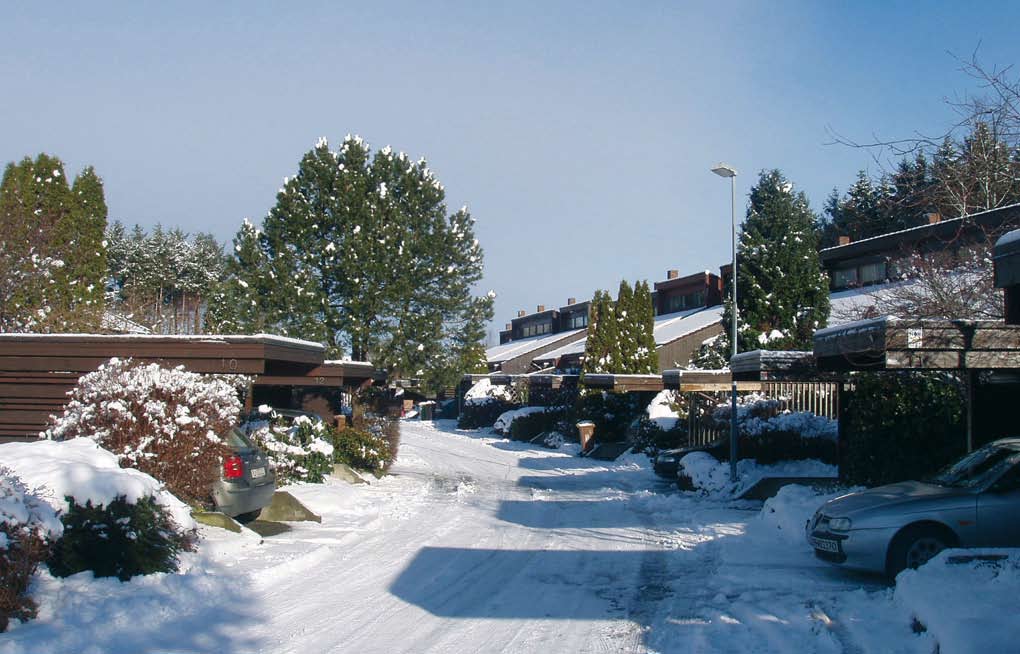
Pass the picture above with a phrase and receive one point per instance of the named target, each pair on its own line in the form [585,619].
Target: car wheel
[915,546]
[247,517]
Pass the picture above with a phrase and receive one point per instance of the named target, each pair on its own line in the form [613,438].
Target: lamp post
[722,170]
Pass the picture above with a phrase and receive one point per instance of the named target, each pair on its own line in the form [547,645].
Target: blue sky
[579,134]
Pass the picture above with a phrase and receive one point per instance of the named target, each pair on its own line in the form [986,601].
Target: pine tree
[86,267]
[360,254]
[598,343]
[625,345]
[782,290]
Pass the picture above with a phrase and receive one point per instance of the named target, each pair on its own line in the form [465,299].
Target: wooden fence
[819,398]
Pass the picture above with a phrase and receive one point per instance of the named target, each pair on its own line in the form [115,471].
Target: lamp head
[722,170]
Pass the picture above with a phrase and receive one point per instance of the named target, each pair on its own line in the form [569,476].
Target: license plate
[256,473]
[825,545]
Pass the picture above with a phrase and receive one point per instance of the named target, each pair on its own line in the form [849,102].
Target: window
[869,273]
[684,302]
[578,320]
[537,329]
[844,278]
[873,273]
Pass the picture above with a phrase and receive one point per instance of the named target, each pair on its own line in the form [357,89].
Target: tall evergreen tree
[625,345]
[646,361]
[782,290]
[359,253]
[602,338]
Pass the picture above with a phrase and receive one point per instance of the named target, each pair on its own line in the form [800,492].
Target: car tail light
[233,467]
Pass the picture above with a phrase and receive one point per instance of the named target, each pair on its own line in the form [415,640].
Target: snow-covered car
[247,482]
[974,502]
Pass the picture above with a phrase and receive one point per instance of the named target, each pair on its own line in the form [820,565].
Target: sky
[580,134]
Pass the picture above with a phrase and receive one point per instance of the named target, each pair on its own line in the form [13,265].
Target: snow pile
[23,509]
[785,515]
[79,468]
[506,419]
[660,411]
[966,606]
[712,477]
[484,391]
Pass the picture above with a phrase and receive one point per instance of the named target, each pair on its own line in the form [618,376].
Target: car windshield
[978,467]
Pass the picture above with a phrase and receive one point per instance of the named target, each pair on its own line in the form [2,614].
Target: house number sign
[915,338]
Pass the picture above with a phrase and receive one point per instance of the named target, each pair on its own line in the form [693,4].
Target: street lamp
[722,170]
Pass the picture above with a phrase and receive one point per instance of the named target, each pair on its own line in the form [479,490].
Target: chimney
[934,217]
[522,313]
[844,240]
[571,300]
[672,274]
[509,327]
[540,309]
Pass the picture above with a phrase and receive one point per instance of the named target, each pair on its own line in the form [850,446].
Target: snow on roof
[513,349]
[116,322]
[169,338]
[667,328]
[349,363]
[677,325]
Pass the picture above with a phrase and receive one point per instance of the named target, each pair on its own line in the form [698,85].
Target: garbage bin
[426,410]
[586,428]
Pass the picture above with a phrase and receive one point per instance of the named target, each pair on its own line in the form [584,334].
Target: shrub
[649,436]
[775,445]
[119,539]
[362,449]
[300,451]
[612,413]
[528,426]
[476,415]
[165,422]
[27,524]
[901,426]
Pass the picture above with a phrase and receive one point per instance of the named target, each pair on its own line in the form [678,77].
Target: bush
[476,415]
[119,539]
[161,421]
[901,426]
[612,413]
[772,446]
[528,426]
[300,451]
[362,450]
[27,524]
[648,436]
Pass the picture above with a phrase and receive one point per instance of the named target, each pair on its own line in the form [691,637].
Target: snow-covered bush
[27,525]
[768,432]
[612,413]
[478,415]
[702,472]
[362,450]
[163,421]
[484,391]
[525,427]
[504,423]
[301,450]
[119,539]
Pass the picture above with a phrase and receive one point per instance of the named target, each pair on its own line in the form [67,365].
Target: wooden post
[969,382]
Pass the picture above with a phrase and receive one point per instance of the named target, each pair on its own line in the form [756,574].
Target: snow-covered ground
[476,544]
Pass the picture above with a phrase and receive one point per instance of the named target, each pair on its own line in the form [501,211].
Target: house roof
[514,349]
[666,329]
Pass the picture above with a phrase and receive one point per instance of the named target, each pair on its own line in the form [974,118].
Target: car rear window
[235,438]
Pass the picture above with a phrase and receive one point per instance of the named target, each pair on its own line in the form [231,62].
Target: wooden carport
[37,370]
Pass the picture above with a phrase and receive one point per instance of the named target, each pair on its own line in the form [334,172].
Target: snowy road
[476,544]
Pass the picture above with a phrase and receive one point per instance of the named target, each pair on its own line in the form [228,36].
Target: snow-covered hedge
[362,449]
[710,476]
[484,391]
[757,415]
[163,421]
[504,423]
[27,525]
[301,450]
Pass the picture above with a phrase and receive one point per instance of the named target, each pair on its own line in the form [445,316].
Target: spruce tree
[782,290]
[86,261]
[625,345]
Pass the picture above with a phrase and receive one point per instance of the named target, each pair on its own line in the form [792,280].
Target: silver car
[974,502]
[247,481]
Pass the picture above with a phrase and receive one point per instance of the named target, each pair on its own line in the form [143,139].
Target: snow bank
[79,468]
[22,507]
[785,515]
[712,477]
[661,412]
[484,392]
[506,419]
[966,606]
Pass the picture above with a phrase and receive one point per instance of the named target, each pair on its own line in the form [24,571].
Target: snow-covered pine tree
[782,290]
[598,347]
[625,346]
[368,261]
[86,267]
[646,361]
